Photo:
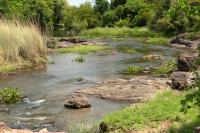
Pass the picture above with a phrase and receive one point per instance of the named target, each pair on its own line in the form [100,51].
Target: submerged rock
[77,101]
[186,62]
[5,129]
[135,89]
[181,79]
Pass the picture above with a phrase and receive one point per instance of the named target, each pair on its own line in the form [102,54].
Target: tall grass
[118,32]
[21,43]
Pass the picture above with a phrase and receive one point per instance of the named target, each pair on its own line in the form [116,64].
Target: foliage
[19,48]
[84,127]
[10,95]
[79,59]
[168,67]
[134,69]
[165,107]
[81,49]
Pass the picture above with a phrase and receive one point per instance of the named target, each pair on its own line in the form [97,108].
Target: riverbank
[142,34]
[162,114]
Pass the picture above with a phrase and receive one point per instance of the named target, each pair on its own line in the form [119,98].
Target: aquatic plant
[152,57]
[7,69]
[134,69]
[81,49]
[84,127]
[158,40]
[21,43]
[10,95]
[79,59]
[168,67]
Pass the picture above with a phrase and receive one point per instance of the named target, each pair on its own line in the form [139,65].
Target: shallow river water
[58,80]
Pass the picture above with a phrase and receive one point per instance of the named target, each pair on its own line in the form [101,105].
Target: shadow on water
[60,79]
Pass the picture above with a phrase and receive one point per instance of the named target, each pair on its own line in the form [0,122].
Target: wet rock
[5,129]
[197,130]
[64,44]
[103,127]
[182,41]
[77,101]
[152,57]
[181,79]
[186,62]
[5,110]
[136,89]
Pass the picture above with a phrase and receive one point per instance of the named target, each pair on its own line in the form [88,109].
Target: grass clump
[84,127]
[165,107]
[79,59]
[134,69]
[81,49]
[10,95]
[158,40]
[168,67]
[7,69]
[21,43]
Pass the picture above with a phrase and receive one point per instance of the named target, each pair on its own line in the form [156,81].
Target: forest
[117,66]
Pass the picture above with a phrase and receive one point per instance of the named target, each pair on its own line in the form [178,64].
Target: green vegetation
[118,32]
[79,79]
[164,108]
[10,95]
[128,50]
[168,67]
[7,69]
[134,69]
[79,59]
[84,127]
[19,48]
[81,49]
[158,40]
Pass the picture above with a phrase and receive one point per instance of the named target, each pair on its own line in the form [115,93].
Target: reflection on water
[58,80]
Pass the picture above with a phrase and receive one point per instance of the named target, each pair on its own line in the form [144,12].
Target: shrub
[134,69]
[167,68]
[21,43]
[10,95]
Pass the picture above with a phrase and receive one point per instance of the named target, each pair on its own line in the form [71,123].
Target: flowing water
[45,89]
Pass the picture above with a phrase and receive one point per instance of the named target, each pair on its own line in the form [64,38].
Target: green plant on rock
[79,59]
[168,67]
[10,95]
[134,69]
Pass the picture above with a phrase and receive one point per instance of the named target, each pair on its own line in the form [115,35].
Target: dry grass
[21,44]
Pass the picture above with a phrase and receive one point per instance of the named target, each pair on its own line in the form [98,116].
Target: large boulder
[181,79]
[140,88]
[77,101]
[186,62]
[51,43]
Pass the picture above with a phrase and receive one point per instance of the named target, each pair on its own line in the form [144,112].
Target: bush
[10,95]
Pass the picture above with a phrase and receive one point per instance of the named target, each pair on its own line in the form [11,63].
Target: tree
[101,6]
[116,3]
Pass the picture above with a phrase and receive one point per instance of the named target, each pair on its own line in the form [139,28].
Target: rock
[64,44]
[140,88]
[51,43]
[182,41]
[6,110]
[76,102]
[186,62]
[103,127]
[197,130]
[181,79]
[5,129]
[152,57]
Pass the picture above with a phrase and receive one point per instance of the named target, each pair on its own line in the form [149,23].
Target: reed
[21,44]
